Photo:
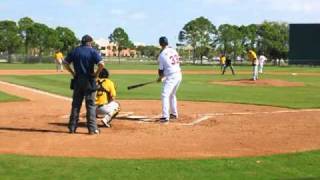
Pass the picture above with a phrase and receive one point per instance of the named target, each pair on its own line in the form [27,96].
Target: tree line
[202,37]
[207,40]
[34,39]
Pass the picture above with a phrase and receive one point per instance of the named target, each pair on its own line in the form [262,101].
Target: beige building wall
[111,49]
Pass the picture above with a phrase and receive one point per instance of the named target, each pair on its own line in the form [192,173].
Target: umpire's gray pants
[78,96]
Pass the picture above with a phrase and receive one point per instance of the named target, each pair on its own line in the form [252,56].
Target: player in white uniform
[262,59]
[170,73]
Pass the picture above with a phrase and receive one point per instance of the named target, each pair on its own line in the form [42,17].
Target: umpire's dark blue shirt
[83,58]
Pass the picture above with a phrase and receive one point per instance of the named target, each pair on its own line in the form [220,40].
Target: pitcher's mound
[260,82]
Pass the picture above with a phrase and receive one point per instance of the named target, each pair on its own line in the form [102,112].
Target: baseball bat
[141,84]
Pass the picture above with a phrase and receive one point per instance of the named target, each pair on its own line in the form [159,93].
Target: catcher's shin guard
[106,120]
[116,110]
[109,117]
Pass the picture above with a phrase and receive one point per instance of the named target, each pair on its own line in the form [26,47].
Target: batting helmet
[163,41]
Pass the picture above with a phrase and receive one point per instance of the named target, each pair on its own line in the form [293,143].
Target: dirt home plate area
[38,126]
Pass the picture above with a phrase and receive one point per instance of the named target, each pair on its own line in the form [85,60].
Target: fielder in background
[58,58]
[170,74]
[262,60]
[222,61]
[84,86]
[254,62]
[107,107]
[228,63]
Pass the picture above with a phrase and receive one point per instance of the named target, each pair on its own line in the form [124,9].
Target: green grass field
[4,97]
[292,166]
[152,65]
[195,88]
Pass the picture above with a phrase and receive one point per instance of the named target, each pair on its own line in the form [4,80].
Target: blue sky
[146,20]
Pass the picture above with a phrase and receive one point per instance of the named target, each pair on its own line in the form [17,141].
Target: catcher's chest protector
[101,89]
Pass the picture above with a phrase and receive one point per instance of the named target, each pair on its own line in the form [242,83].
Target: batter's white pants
[255,72]
[168,95]
[260,67]
[107,111]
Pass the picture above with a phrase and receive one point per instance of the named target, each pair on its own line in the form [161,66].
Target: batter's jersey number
[174,59]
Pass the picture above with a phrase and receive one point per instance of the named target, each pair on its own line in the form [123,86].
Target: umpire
[84,58]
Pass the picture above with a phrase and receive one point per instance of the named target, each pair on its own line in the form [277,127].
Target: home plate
[137,117]
[124,114]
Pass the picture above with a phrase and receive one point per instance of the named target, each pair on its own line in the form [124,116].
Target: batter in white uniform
[170,73]
[262,59]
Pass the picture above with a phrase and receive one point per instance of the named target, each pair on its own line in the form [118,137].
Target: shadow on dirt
[80,125]
[31,130]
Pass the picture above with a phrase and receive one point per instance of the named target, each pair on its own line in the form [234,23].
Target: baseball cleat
[164,120]
[172,116]
[72,131]
[95,132]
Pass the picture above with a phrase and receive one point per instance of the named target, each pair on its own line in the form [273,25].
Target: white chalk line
[263,112]
[210,115]
[36,91]
[197,121]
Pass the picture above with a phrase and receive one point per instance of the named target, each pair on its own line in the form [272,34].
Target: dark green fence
[304,44]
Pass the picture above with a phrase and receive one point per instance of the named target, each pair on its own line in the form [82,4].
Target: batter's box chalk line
[207,116]
[263,112]
[197,121]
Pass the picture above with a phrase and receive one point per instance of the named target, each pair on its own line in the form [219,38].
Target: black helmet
[163,41]
[104,73]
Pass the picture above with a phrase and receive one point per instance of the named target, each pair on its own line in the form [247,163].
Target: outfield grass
[293,166]
[18,66]
[4,97]
[196,88]
[153,66]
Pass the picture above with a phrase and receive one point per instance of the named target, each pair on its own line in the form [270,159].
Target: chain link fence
[21,58]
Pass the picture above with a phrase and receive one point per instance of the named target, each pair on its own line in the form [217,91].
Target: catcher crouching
[107,107]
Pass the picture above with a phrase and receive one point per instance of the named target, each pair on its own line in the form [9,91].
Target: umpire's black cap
[86,38]
[163,41]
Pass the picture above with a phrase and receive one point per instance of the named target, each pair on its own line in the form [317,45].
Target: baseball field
[229,127]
